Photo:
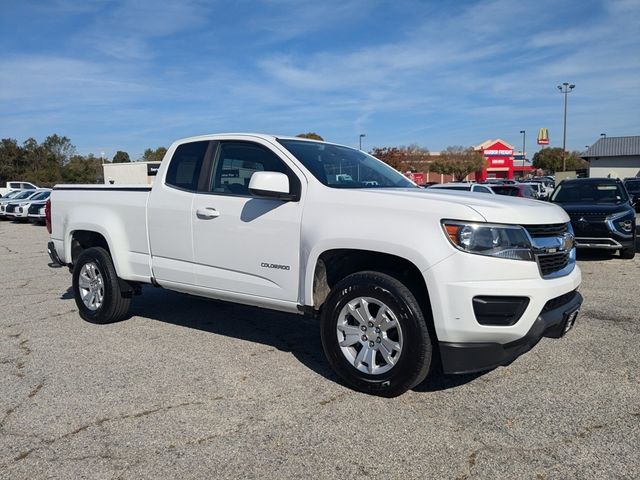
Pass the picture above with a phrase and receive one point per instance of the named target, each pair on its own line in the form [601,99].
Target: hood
[493,208]
[605,209]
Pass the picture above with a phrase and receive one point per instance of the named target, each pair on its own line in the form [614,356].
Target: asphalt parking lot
[191,388]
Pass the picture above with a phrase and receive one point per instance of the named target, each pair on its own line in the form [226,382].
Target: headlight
[503,241]
[623,222]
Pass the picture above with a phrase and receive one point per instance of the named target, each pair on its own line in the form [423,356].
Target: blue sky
[126,75]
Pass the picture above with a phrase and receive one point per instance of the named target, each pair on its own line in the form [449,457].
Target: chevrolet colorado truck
[402,278]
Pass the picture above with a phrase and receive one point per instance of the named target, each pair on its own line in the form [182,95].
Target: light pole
[524,146]
[362,135]
[603,135]
[565,88]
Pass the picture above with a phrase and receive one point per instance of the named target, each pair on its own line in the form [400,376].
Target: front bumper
[459,358]
[612,242]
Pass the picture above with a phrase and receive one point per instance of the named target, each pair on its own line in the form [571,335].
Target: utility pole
[565,88]
[524,146]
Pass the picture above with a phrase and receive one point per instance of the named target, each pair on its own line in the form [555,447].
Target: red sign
[417,177]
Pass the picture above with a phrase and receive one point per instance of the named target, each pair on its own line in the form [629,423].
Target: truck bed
[118,213]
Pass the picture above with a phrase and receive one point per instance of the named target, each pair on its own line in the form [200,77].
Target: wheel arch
[333,265]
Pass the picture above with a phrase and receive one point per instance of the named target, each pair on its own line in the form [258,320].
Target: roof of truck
[264,136]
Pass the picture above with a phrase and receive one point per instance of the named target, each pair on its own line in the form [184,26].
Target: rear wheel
[374,334]
[96,288]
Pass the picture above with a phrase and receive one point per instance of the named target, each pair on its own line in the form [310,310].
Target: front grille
[34,208]
[559,301]
[553,230]
[589,216]
[10,208]
[553,262]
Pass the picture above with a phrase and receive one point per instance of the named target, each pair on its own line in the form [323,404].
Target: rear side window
[186,164]
[14,185]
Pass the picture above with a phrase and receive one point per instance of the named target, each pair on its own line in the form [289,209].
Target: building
[130,173]
[615,157]
[502,161]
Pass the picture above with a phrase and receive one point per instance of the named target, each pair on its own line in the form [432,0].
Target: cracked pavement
[193,388]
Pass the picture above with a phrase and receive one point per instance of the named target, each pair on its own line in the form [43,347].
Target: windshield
[633,186]
[589,192]
[41,196]
[343,167]
[13,194]
[23,194]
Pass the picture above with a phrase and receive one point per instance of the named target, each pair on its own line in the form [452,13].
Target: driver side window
[237,161]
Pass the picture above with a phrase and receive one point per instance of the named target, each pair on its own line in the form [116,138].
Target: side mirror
[270,185]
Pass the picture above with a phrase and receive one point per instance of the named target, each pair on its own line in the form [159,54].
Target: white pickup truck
[12,186]
[399,276]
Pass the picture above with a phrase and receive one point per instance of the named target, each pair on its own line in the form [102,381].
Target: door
[169,214]
[241,243]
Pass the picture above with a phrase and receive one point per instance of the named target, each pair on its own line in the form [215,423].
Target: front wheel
[374,334]
[96,288]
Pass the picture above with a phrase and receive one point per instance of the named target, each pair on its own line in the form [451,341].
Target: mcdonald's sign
[543,136]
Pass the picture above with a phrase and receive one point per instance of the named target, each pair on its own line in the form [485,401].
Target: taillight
[47,215]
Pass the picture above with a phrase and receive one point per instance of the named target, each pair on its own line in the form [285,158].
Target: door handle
[207,212]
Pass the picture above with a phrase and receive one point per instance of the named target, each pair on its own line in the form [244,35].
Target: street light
[603,135]
[524,142]
[362,135]
[565,88]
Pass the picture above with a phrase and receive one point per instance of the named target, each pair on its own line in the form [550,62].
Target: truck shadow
[289,333]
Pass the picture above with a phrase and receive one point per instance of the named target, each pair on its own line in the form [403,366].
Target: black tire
[414,360]
[628,253]
[114,306]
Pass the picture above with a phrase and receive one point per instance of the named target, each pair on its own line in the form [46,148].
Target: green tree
[81,169]
[11,155]
[550,159]
[121,157]
[458,161]
[58,149]
[151,155]
[311,135]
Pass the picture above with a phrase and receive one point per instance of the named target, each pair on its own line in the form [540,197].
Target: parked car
[20,209]
[396,274]
[602,215]
[462,187]
[12,186]
[548,184]
[517,190]
[16,196]
[539,190]
[10,195]
[633,188]
[37,212]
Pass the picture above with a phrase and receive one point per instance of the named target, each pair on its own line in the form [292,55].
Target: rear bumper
[458,358]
